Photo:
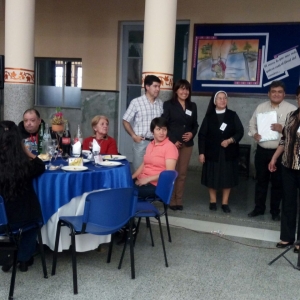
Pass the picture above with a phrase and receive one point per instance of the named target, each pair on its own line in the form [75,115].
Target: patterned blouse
[291,141]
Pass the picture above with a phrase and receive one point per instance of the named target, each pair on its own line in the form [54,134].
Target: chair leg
[148,221]
[131,250]
[13,276]
[136,231]
[162,241]
[110,248]
[123,252]
[42,253]
[74,263]
[167,223]
[56,248]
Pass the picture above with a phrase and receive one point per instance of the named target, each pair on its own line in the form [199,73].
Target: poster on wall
[245,58]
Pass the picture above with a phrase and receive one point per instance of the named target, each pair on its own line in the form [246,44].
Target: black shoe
[226,208]
[173,207]
[213,206]
[179,207]
[280,245]
[23,265]
[255,213]
[276,217]
[8,264]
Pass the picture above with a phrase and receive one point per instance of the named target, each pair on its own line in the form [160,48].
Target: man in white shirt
[141,111]
[266,149]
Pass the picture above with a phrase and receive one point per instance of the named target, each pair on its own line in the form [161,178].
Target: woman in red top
[107,144]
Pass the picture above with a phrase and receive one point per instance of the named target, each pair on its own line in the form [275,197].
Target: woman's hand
[28,153]
[178,145]
[202,158]
[272,165]
[142,181]
[187,136]
[226,143]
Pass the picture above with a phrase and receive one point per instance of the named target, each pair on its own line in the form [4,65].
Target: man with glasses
[266,149]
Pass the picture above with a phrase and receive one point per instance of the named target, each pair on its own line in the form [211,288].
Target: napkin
[76,148]
[96,146]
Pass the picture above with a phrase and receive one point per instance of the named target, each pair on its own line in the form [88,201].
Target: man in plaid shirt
[140,112]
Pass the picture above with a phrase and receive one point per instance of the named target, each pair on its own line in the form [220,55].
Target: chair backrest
[3,217]
[111,207]
[165,185]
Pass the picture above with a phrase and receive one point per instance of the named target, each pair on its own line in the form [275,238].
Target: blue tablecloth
[56,188]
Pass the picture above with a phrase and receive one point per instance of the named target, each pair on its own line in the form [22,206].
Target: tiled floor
[212,256]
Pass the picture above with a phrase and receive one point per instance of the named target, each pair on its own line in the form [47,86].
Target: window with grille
[58,82]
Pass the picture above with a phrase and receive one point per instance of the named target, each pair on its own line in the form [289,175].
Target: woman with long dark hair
[18,167]
[218,139]
[181,114]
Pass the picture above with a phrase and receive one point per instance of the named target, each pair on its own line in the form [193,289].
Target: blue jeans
[139,150]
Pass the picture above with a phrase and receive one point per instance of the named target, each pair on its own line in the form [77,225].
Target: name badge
[188,112]
[223,126]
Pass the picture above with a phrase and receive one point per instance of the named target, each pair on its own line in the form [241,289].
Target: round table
[63,193]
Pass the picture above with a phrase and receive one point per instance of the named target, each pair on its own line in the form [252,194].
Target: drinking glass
[51,151]
[91,146]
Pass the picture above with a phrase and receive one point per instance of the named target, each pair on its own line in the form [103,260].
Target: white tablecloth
[84,242]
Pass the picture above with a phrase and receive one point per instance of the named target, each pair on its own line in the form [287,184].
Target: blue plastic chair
[13,241]
[163,191]
[105,212]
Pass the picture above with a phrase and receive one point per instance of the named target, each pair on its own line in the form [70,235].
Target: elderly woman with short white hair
[218,139]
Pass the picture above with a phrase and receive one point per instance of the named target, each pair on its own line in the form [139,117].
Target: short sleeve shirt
[141,112]
[156,156]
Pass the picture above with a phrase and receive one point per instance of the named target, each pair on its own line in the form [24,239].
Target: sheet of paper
[264,121]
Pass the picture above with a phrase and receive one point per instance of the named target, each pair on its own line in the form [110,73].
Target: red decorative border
[14,75]
[166,79]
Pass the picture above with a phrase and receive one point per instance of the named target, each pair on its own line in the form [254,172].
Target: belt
[148,139]
[267,149]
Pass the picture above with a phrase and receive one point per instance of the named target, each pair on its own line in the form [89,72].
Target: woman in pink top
[161,154]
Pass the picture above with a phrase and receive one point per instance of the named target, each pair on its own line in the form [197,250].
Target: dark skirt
[222,174]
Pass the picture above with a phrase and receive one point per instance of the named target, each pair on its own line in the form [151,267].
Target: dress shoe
[296,250]
[281,245]
[179,207]
[276,217]
[226,209]
[213,206]
[173,207]
[255,213]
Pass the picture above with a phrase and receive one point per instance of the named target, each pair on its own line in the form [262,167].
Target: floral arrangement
[58,118]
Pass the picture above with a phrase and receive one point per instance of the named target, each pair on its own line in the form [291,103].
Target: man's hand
[276,127]
[137,138]
[257,137]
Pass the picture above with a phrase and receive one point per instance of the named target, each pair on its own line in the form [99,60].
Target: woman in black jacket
[218,139]
[181,114]
[18,167]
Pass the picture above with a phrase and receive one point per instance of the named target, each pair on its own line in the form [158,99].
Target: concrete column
[19,58]
[159,42]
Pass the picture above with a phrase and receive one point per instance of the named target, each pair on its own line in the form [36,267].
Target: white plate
[85,160]
[74,168]
[109,163]
[114,157]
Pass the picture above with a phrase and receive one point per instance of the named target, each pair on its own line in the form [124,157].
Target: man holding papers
[265,127]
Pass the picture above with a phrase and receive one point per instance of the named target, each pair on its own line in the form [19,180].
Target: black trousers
[291,183]
[263,176]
